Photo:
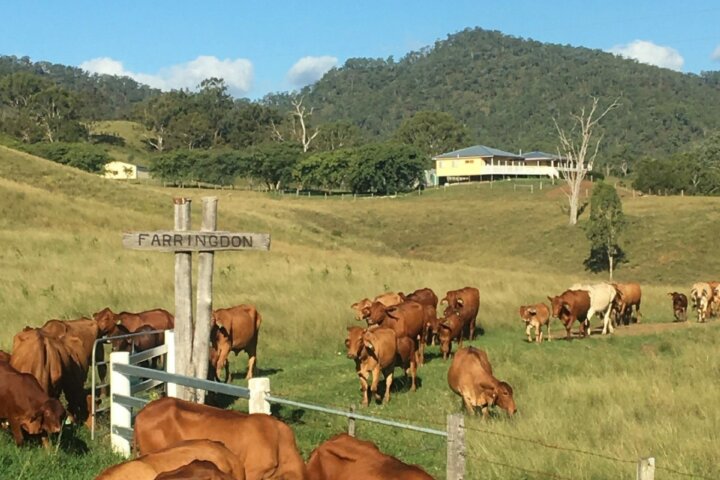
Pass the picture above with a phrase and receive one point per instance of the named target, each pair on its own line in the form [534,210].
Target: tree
[299,127]
[578,154]
[605,227]
[385,168]
[337,135]
[432,132]
[272,163]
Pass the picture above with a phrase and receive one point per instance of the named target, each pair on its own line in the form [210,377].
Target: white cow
[701,295]
[602,296]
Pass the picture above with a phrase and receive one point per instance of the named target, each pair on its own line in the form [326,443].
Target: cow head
[105,320]
[377,313]
[502,396]
[49,418]
[556,306]
[528,312]
[120,344]
[354,342]
[361,308]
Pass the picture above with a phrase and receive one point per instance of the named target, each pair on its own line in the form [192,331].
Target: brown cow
[346,458]
[197,470]
[466,302]
[470,376]
[536,316]
[84,329]
[4,357]
[629,295]
[27,407]
[362,308]
[423,296]
[714,307]
[138,343]
[157,318]
[680,303]
[234,329]
[177,456]
[450,329]
[569,306]
[379,350]
[407,319]
[264,444]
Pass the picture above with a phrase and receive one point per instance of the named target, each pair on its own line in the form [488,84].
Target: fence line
[522,469]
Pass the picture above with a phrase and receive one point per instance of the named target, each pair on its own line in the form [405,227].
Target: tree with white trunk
[576,150]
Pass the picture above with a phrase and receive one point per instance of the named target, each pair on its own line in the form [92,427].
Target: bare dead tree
[577,155]
[300,115]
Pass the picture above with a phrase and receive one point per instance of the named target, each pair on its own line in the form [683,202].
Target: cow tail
[258,320]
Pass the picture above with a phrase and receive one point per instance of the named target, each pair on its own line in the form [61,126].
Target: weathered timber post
[351,422]
[170,388]
[455,447]
[646,469]
[183,298]
[259,390]
[203,314]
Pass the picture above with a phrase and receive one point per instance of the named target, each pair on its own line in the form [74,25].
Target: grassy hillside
[132,135]
[625,396]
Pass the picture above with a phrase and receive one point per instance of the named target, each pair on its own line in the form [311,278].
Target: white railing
[532,170]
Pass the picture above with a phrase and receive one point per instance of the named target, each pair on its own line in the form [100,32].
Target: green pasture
[624,396]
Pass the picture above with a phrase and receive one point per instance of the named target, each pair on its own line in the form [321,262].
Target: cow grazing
[680,303]
[379,350]
[407,319]
[26,407]
[346,458]
[536,316]
[263,444]
[58,364]
[569,306]
[629,296]
[234,329]
[176,457]
[157,318]
[466,302]
[471,376]
[450,329]
[602,298]
[701,295]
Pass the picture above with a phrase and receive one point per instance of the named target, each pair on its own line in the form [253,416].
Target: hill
[62,257]
[507,90]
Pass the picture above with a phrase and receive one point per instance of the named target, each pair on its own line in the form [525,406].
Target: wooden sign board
[189,241]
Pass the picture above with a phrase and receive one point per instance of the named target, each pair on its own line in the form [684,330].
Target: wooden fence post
[203,315]
[183,298]
[170,388]
[646,469]
[259,389]
[120,415]
[351,422]
[455,446]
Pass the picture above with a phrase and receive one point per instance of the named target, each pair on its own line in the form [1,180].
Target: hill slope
[507,90]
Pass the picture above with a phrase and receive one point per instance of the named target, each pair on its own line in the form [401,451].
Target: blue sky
[266,46]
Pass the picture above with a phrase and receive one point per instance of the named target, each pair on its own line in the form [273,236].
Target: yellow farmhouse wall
[459,167]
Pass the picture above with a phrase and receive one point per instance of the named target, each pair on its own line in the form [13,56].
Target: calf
[680,303]
[346,458]
[466,302]
[629,295]
[701,295]
[450,329]
[263,444]
[569,306]
[234,329]
[470,376]
[536,316]
[714,307]
[176,457]
[27,407]
[4,357]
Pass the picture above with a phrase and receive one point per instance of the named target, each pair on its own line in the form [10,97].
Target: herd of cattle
[177,439]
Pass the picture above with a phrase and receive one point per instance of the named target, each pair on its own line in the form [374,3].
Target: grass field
[631,395]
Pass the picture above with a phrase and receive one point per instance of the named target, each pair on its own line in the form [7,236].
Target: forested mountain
[103,97]
[507,90]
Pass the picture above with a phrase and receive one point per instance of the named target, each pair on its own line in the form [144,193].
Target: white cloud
[237,73]
[648,52]
[716,54]
[310,69]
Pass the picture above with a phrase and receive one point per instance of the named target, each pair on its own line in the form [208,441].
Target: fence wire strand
[515,467]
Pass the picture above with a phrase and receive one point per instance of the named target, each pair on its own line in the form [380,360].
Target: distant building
[118,170]
[485,163]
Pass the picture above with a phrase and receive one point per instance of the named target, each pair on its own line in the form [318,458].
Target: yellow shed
[118,170]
